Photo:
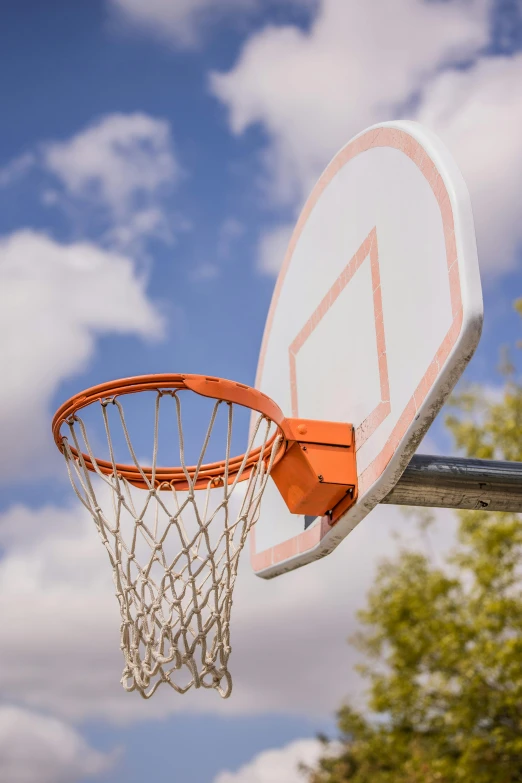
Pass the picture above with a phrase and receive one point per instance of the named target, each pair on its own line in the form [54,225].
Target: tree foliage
[443,644]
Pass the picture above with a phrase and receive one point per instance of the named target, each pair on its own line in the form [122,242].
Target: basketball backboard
[375,314]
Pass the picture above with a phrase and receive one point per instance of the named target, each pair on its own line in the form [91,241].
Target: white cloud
[204,272]
[183,22]
[16,169]
[478,114]
[278,766]
[272,248]
[50,197]
[39,749]
[150,222]
[119,156]
[230,231]
[122,163]
[54,301]
[313,91]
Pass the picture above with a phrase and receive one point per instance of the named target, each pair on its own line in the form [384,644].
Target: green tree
[444,644]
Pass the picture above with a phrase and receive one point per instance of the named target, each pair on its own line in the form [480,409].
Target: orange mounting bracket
[317,471]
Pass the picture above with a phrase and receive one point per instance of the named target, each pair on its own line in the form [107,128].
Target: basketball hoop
[174,534]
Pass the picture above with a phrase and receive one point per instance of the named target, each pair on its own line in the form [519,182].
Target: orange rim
[165,478]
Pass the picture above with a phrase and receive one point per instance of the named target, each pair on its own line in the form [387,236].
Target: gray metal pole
[454,482]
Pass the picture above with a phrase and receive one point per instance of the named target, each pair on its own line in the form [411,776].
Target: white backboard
[375,314]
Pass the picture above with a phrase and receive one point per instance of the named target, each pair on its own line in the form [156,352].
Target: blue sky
[153,158]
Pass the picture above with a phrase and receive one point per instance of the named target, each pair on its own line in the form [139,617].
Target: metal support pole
[454,482]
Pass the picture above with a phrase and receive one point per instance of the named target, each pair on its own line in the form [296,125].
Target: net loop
[173,536]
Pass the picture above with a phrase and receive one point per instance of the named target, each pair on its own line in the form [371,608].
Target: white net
[174,552]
